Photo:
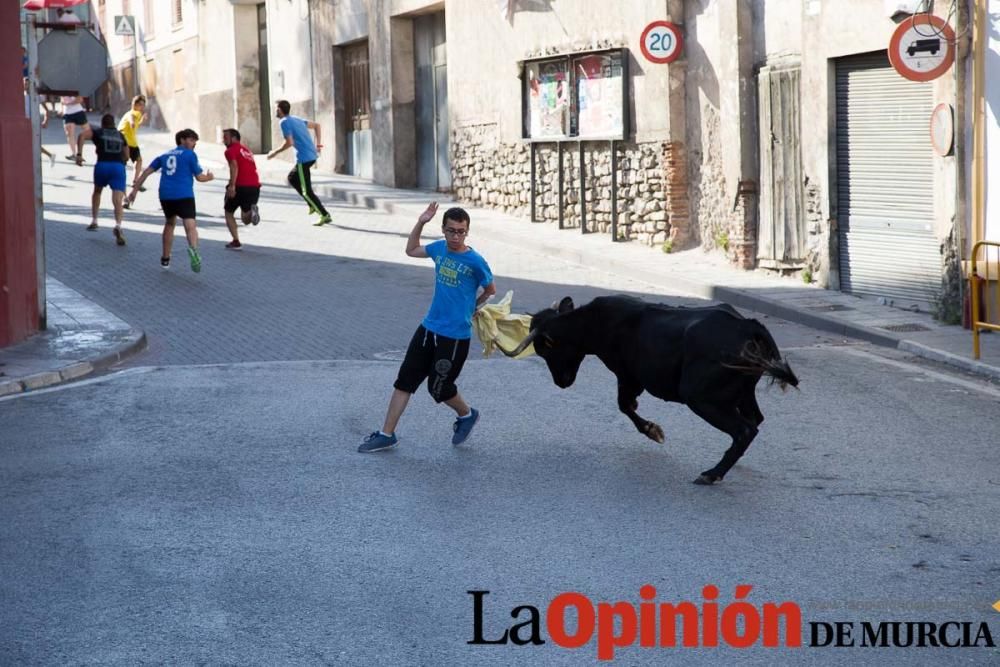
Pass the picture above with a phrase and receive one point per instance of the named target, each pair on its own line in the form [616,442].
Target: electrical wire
[927,7]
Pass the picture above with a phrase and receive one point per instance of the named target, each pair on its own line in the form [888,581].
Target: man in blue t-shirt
[295,130]
[440,345]
[179,169]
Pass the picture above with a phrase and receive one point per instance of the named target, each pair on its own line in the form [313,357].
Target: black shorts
[246,196]
[182,208]
[134,154]
[78,118]
[436,358]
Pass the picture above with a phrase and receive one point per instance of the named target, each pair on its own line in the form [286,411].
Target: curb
[953,360]
[736,297]
[75,370]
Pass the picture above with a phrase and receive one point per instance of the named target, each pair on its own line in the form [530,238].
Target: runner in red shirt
[243,190]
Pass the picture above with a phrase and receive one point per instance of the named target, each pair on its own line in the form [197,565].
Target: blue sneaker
[463,427]
[376,442]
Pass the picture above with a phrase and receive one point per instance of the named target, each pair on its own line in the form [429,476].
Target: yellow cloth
[128,125]
[494,322]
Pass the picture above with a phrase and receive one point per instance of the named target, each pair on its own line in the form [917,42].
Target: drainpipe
[961,173]
[312,59]
[978,118]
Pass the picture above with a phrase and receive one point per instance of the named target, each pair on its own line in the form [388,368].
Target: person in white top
[73,116]
[73,113]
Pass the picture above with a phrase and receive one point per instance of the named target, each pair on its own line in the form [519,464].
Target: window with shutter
[178,12]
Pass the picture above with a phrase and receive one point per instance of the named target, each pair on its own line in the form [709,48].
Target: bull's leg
[749,408]
[728,420]
[627,402]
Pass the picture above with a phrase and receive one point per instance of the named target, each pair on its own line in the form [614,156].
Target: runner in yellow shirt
[128,126]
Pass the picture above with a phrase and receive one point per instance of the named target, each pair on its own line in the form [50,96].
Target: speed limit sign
[661,42]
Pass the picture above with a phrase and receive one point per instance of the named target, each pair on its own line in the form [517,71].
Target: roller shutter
[885,183]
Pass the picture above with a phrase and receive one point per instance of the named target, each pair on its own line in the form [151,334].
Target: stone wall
[818,235]
[708,182]
[491,173]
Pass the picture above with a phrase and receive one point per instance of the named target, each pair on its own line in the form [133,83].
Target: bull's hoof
[705,479]
[654,432]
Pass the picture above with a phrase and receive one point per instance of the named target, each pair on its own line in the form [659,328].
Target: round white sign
[661,42]
[922,47]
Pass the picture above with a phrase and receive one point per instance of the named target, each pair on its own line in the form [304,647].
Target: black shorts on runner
[246,196]
[182,208]
[134,154]
[78,118]
[437,358]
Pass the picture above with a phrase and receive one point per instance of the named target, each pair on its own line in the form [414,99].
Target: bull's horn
[521,347]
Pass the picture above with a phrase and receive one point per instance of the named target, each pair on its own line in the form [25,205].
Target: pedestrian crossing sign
[125,25]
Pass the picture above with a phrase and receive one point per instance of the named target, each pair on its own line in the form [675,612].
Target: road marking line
[82,383]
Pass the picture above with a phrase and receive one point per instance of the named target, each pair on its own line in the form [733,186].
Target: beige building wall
[491,161]
[290,62]
[167,55]
[216,71]
[722,122]
[840,29]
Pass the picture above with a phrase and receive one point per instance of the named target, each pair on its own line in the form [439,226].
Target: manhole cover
[904,328]
[830,308]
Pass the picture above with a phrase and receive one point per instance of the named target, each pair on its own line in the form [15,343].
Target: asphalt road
[207,506]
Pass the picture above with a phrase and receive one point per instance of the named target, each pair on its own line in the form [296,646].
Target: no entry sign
[661,42]
[922,48]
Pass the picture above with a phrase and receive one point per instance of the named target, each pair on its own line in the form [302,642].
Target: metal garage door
[885,183]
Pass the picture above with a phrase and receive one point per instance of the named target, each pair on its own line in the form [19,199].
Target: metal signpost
[125,26]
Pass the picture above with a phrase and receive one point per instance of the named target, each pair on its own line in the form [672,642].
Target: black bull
[709,359]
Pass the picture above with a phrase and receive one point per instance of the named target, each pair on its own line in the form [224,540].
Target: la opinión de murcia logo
[686,624]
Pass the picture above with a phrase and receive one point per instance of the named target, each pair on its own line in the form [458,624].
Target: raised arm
[413,247]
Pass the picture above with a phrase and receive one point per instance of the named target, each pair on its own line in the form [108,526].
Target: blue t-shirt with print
[178,168]
[458,277]
[305,149]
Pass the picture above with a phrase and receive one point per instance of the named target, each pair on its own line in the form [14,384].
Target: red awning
[34,5]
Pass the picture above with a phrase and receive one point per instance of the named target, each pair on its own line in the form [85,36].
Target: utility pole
[20,315]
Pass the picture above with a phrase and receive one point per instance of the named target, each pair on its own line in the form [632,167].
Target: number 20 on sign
[661,42]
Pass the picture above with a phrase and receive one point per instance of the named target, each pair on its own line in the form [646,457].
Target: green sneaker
[325,220]
[195,260]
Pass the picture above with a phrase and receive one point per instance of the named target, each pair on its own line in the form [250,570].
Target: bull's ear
[565,305]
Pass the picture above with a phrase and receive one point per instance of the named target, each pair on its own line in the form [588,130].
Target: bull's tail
[760,354]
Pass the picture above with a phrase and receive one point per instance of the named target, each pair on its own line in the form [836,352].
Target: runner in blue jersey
[437,351]
[178,169]
[295,130]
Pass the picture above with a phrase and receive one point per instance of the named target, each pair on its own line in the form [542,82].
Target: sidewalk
[81,338]
[692,272]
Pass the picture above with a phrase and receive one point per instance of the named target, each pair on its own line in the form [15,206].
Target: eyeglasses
[455,232]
